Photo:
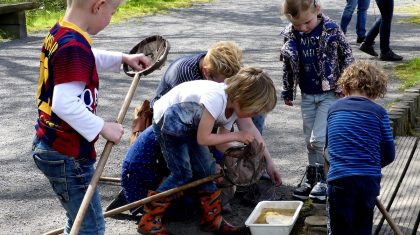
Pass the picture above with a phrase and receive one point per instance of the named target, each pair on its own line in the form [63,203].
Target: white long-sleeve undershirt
[71,109]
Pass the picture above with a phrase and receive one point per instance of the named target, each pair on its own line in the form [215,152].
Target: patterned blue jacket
[334,55]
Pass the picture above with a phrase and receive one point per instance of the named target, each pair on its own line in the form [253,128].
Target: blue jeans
[362,6]
[382,25]
[314,115]
[69,179]
[258,121]
[350,205]
[186,160]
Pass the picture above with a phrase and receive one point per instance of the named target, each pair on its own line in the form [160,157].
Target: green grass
[408,73]
[413,9]
[50,11]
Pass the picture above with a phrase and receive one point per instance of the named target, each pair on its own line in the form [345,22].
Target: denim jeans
[382,25]
[314,115]
[258,121]
[186,160]
[350,205]
[70,179]
[362,6]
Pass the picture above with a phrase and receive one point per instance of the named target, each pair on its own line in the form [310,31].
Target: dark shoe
[368,49]
[360,39]
[119,201]
[390,56]
[303,190]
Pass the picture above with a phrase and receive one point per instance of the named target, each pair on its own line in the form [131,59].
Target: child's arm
[70,108]
[109,61]
[207,138]
[288,83]
[387,143]
[247,124]
[345,56]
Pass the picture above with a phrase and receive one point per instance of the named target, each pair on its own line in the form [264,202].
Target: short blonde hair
[293,8]
[365,78]
[253,89]
[224,58]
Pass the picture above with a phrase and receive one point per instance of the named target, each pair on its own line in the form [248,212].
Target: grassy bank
[51,10]
[408,73]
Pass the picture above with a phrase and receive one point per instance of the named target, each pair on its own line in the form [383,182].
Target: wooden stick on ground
[109,179]
[388,217]
[102,161]
[149,199]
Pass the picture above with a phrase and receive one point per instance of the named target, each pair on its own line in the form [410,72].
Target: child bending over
[183,122]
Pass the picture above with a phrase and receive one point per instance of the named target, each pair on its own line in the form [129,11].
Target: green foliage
[409,73]
[47,5]
[51,10]
[413,9]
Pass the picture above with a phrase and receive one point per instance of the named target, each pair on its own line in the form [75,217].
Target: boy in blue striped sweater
[360,143]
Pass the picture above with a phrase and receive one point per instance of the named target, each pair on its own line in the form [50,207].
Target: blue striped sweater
[359,138]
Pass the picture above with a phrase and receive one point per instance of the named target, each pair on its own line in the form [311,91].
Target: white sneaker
[319,192]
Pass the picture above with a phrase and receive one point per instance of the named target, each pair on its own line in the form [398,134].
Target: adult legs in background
[382,26]
[362,7]
[347,14]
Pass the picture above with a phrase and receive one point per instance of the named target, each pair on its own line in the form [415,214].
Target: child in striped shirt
[360,143]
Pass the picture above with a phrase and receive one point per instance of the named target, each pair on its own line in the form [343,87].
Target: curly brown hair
[365,78]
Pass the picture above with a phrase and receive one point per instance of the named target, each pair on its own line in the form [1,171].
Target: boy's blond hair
[224,58]
[293,8]
[364,78]
[253,89]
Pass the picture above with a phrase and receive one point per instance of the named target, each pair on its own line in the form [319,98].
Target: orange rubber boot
[211,217]
[151,221]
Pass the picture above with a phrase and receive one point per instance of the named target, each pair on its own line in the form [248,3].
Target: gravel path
[27,201]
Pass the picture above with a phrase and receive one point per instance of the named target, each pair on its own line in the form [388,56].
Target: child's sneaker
[319,192]
[303,190]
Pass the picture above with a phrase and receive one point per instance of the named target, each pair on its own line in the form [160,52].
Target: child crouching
[183,122]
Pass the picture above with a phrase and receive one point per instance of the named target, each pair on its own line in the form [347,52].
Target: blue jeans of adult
[186,160]
[382,25]
[362,6]
[314,115]
[69,178]
[350,204]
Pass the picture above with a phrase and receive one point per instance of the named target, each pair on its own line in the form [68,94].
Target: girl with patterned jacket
[315,53]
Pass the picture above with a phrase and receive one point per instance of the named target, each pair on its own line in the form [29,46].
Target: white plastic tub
[273,229]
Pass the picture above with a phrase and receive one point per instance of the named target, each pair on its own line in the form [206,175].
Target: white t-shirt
[210,94]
